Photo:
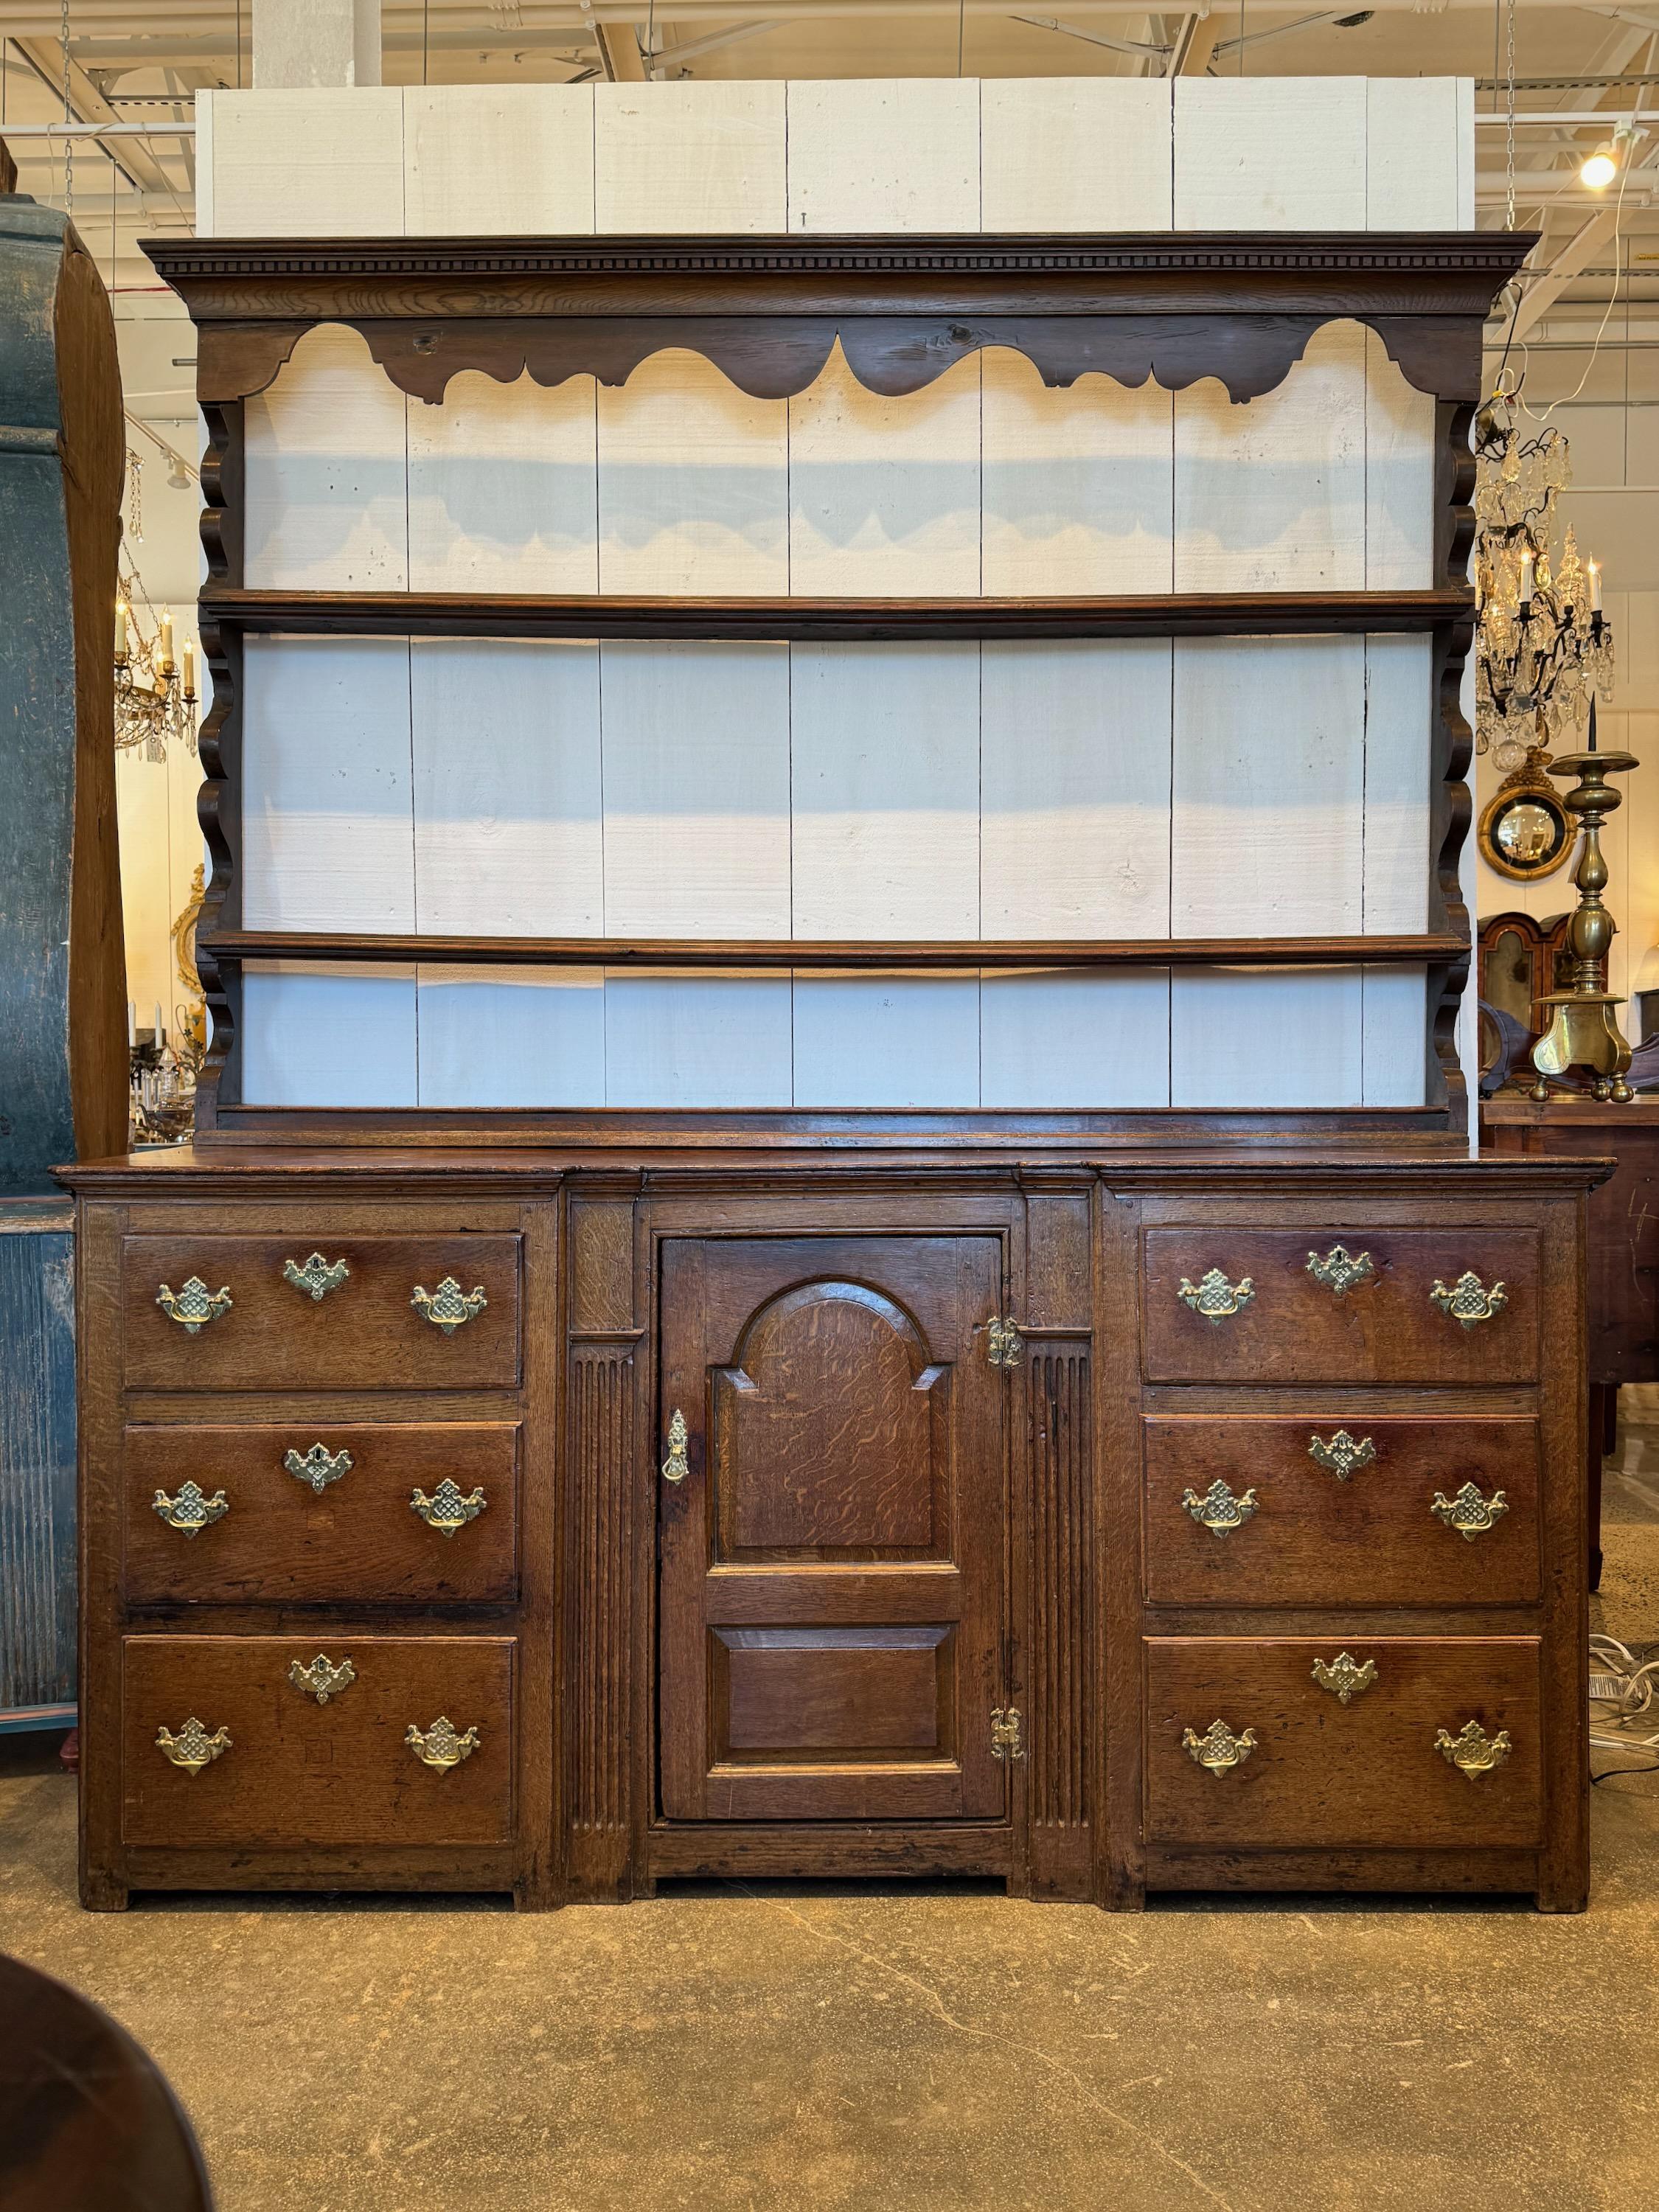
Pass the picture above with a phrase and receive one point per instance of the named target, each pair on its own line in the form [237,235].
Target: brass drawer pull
[438,1746]
[1340,1269]
[449,1307]
[317,1277]
[1218,1751]
[190,1512]
[447,1510]
[322,1680]
[1343,1677]
[1472,1751]
[677,1466]
[1214,1296]
[318,1467]
[1343,1457]
[1217,1509]
[1468,1299]
[194,1306]
[193,1748]
[1470,1513]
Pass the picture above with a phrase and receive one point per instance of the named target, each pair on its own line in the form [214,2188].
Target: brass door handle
[317,1277]
[190,1512]
[1470,1513]
[193,1748]
[194,1306]
[1217,1509]
[1468,1300]
[1214,1296]
[447,1510]
[449,1307]
[438,1746]
[1218,1751]
[677,1465]
[1472,1751]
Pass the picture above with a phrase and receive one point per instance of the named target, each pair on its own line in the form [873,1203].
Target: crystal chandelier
[1543,646]
[154,699]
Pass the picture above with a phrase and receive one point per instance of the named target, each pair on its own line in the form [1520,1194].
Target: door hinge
[1007,1733]
[1004,1345]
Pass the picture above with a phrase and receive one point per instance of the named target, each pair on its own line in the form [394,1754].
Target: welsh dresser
[1092,1487]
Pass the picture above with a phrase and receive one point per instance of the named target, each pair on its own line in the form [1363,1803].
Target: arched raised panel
[829,1433]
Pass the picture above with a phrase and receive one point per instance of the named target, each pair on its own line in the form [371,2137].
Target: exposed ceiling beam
[1278,31]
[1194,44]
[692,47]
[87,104]
[1138,47]
[619,49]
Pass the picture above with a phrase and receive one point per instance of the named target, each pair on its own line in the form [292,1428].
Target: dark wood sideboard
[1623,1335]
[1184,1524]
[566,1501]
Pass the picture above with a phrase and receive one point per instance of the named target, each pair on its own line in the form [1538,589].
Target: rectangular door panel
[833,1556]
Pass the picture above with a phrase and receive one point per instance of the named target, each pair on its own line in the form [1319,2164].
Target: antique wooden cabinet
[1078,1464]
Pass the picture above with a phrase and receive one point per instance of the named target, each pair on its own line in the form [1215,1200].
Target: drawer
[291,1769]
[1323,1772]
[1292,1327]
[1241,1511]
[346,1530]
[365,1331]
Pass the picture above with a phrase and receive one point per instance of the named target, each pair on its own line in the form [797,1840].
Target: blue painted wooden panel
[37,1470]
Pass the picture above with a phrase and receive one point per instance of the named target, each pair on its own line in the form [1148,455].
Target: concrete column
[316,42]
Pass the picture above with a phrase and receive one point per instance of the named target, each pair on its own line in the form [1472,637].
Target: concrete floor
[921,2052]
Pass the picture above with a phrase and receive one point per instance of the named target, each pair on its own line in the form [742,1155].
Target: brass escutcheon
[1468,1300]
[193,1748]
[438,1746]
[1214,1296]
[317,1277]
[1343,1676]
[1217,1509]
[1004,1345]
[677,1466]
[1340,1269]
[1343,1455]
[448,1307]
[1472,1751]
[318,1467]
[321,1679]
[447,1510]
[1007,1733]
[190,1512]
[1470,1513]
[1218,1751]
[194,1306]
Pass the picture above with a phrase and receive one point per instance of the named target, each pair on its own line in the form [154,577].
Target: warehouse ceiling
[134,67]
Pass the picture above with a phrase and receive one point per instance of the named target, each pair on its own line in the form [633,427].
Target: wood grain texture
[507,788]
[1275,154]
[497,159]
[505,1038]
[1075,153]
[325,474]
[689,157]
[356,1542]
[874,153]
[331,159]
[1320,1773]
[1059,1443]
[500,489]
[336,1037]
[602,1504]
[692,484]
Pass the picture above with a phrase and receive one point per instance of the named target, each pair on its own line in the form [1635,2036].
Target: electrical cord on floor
[1623,1687]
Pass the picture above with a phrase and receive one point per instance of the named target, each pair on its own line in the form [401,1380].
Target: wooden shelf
[461,614]
[237,945]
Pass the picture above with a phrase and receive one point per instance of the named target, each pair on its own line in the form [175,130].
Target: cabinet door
[833,1557]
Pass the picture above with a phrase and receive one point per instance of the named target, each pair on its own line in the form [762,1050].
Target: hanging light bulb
[1599,169]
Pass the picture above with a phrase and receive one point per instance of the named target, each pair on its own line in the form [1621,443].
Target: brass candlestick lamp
[1582,1031]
